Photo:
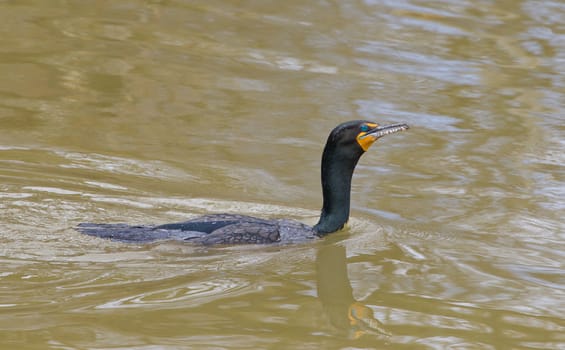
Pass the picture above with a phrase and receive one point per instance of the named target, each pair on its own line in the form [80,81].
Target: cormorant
[345,145]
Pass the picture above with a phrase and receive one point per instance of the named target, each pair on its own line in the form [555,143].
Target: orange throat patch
[364,140]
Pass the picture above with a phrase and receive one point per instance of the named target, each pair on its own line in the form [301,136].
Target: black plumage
[345,145]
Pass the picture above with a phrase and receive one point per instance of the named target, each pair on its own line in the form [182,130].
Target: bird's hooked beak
[366,139]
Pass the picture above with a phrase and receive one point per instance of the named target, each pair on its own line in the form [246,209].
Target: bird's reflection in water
[336,295]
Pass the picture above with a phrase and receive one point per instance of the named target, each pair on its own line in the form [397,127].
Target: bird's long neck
[337,171]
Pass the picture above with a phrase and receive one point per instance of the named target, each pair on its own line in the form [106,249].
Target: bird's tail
[135,234]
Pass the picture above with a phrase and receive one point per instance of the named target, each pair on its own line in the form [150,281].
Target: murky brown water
[152,112]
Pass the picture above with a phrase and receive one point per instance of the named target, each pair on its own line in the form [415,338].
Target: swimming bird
[345,145]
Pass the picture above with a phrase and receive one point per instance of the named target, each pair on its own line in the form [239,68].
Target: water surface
[153,112]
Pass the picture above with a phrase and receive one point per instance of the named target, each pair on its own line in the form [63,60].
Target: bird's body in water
[345,145]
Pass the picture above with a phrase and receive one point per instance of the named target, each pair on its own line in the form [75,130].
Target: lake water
[159,111]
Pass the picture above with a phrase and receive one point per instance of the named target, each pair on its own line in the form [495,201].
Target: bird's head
[358,135]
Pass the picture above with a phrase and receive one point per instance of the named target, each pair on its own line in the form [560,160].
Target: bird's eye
[364,128]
